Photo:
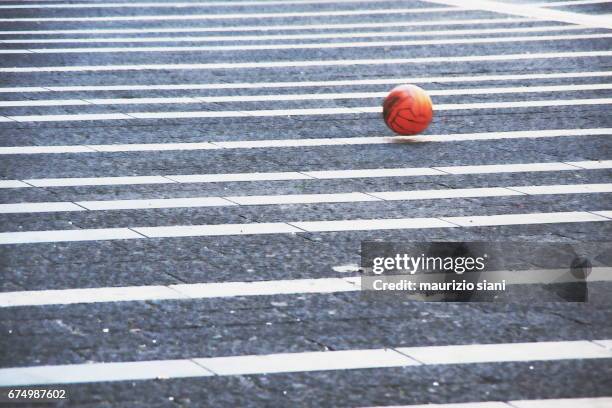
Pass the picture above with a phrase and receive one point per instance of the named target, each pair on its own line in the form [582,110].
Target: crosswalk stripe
[308,175]
[62,206]
[607,214]
[308,84]
[303,361]
[299,97]
[496,168]
[13,184]
[521,219]
[213,290]
[359,34]
[292,27]
[97,181]
[569,3]
[67,118]
[174,231]
[174,4]
[601,402]
[326,45]
[96,234]
[564,189]
[442,222]
[294,143]
[318,198]
[309,63]
[179,292]
[488,353]
[596,402]
[184,17]
[589,164]
[232,4]
[298,112]
[533,11]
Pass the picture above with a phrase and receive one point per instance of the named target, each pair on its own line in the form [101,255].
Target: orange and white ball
[407,110]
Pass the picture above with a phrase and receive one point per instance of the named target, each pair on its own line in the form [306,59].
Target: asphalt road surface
[155,157]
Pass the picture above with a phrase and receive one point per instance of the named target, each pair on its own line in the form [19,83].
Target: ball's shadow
[405,140]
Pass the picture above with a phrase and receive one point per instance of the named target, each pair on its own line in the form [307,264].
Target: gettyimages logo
[411,264]
[484,271]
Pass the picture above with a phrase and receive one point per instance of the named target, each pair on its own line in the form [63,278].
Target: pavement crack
[320,344]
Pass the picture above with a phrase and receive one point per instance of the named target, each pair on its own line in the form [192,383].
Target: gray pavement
[151,329]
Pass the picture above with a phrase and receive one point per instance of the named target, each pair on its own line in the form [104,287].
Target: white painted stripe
[178,292]
[299,97]
[508,135]
[352,197]
[569,3]
[212,290]
[13,184]
[301,112]
[307,84]
[607,214]
[303,361]
[95,234]
[282,143]
[18,208]
[236,16]
[29,237]
[292,27]
[279,143]
[308,361]
[23,89]
[264,288]
[154,203]
[142,147]
[359,34]
[370,173]
[489,353]
[524,219]
[98,181]
[602,402]
[84,373]
[234,3]
[186,291]
[607,344]
[533,11]
[372,225]
[565,189]
[182,5]
[302,198]
[89,295]
[229,177]
[447,193]
[66,118]
[486,404]
[305,175]
[592,164]
[519,104]
[302,46]
[60,102]
[503,168]
[216,230]
[124,101]
[310,63]
[46,149]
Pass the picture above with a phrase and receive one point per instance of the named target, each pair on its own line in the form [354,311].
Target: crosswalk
[186,184]
[307,361]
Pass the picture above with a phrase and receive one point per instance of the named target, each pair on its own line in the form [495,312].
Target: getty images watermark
[484,271]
